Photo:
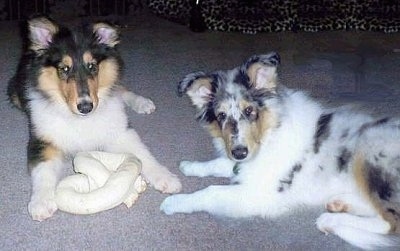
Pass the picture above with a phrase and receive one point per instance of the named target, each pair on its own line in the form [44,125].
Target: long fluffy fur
[283,149]
[68,84]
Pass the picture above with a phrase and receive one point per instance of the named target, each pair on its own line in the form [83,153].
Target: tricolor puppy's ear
[198,87]
[106,34]
[261,70]
[41,33]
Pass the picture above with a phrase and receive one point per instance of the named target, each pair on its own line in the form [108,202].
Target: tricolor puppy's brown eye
[64,69]
[92,67]
[221,117]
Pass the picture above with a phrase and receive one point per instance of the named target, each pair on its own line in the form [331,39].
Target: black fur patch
[208,114]
[379,156]
[323,130]
[234,126]
[242,78]
[379,122]
[259,96]
[272,59]
[343,160]
[286,183]
[35,152]
[379,181]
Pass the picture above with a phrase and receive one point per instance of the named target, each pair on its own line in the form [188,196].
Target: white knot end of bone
[102,181]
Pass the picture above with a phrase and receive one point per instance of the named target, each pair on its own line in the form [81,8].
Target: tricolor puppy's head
[233,103]
[77,67]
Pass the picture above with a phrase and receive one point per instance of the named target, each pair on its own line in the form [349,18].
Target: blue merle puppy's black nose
[240,152]
[85,107]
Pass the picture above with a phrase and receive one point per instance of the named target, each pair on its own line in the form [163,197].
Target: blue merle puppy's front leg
[224,200]
[45,163]
[220,167]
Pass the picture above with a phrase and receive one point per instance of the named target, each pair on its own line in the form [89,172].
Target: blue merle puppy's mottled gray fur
[283,149]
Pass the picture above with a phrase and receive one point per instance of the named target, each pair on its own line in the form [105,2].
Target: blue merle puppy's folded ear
[262,71]
[106,34]
[198,86]
[41,33]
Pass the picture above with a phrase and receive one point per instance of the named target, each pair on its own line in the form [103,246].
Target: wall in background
[21,9]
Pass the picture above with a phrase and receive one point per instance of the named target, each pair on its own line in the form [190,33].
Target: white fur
[255,189]
[106,129]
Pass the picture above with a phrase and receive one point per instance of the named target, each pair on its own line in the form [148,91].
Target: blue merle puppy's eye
[221,117]
[248,111]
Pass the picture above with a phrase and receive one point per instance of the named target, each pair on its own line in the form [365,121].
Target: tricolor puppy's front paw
[42,208]
[167,183]
[142,105]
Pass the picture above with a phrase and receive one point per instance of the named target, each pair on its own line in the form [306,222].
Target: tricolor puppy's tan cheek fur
[58,89]
[49,83]
[108,75]
[93,91]
[70,93]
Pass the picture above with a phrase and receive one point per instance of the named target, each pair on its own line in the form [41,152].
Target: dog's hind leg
[155,173]
[220,167]
[45,163]
[361,231]
[361,218]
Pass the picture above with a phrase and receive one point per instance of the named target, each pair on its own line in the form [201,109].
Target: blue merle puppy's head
[233,103]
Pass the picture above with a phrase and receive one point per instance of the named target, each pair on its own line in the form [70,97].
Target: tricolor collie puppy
[67,82]
[282,149]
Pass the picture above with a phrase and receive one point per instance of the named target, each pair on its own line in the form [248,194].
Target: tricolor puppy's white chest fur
[73,132]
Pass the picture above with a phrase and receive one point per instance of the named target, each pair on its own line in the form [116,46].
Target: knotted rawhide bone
[102,181]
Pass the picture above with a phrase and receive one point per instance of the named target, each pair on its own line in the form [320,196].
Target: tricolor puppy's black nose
[85,107]
[240,152]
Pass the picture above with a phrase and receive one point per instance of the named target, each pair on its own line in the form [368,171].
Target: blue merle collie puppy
[68,84]
[282,149]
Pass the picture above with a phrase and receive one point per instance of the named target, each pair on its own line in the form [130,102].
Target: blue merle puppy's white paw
[327,222]
[175,204]
[187,168]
